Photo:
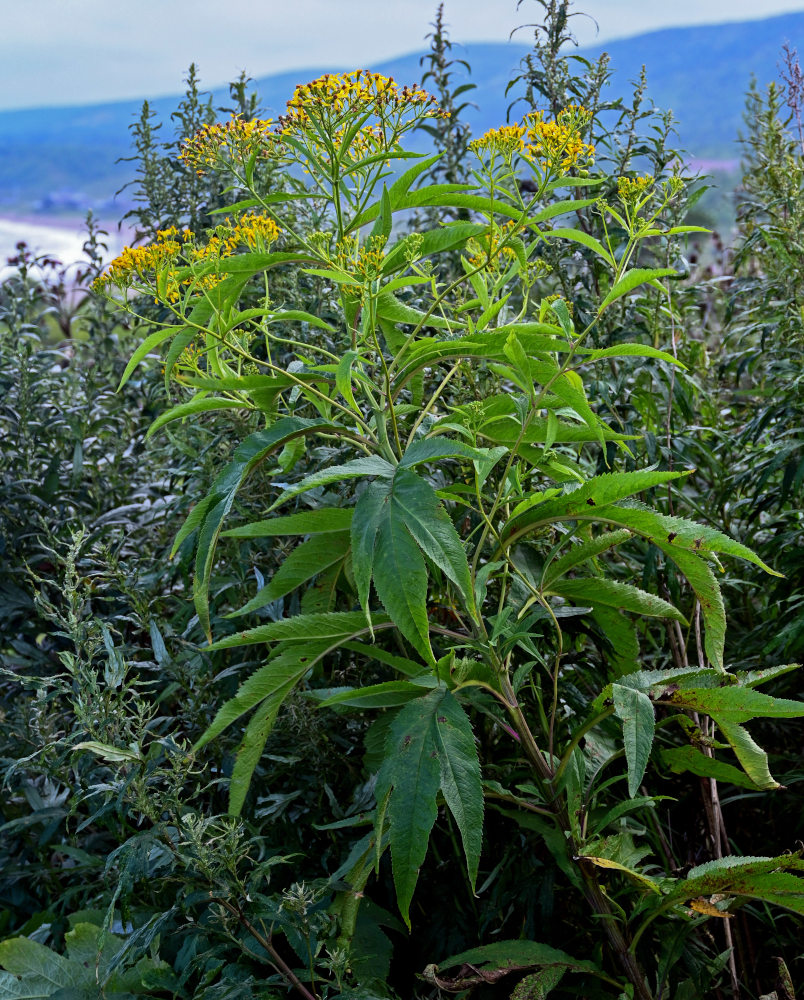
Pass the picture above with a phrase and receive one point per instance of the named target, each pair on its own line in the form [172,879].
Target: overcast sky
[85,51]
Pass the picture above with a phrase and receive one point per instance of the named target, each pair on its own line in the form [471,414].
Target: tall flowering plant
[429,454]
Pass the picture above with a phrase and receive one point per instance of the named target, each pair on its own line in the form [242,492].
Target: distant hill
[63,160]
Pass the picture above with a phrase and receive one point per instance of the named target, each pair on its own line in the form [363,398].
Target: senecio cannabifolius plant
[448,523]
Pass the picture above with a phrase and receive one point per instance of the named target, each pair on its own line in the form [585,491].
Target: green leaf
[299,316]
[621,634]
[631,351]
[690,759]
[410,777]
[319,521]
[395,521]
[631,280]
[733,875]
[538,985]
[461,781]
[431,527]
[612,593]
[253,450]
[401,663]
[197,405]
[641,880]
[44,969]
[582,553]
[561,208]
[331,625]
[116,755]
[449,237]
[365,525]
[372,465]
[579,236]
[430,747]
[343,378]
[390,694]
[586,501]
[436,448]
[271,683]
[752,757]
[390,308]
[307,560]
[676,532]
[150,343]
[706,588]
[253,744]
[400,578]
[736,703]
[635,710]
[518,955]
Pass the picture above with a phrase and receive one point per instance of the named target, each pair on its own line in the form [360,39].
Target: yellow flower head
[255,231]
[558,144]
[486,247]
[506,140]
[233,141]
[631,189]
[358,90]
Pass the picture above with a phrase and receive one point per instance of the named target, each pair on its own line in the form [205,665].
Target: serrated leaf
[700,577]
[736,875]
[271,683]
[518,955]
[612,593]
[431,527]
[390,694]
[400,579]
[436,448]
[736,703]
[358,468]
[582,553]
[598,492]
[635,710]
[217,505]
[320,520]
[307,560]
[409,778]
[681,759]
[331,625]
[430,747]
[202,405]
[461,781]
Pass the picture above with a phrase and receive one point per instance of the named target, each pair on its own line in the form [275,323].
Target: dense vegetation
[370,531]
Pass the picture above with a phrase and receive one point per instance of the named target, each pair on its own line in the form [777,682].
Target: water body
[62,239]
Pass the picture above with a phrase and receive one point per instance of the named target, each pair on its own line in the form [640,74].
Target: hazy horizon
[59,53]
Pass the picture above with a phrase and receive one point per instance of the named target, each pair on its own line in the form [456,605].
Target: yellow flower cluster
[359,90]
[558,143]
[149,262]
[256,231]
[506,140]
[363,262]
[631,189]
[486,247]
[234,141]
